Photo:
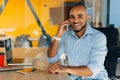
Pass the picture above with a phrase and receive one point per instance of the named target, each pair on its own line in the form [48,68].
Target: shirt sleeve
[59,52]
[97,55]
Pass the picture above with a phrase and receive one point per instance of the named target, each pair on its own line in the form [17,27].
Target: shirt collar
[89,29]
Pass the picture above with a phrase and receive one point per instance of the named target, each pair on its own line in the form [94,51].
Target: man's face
[78,18]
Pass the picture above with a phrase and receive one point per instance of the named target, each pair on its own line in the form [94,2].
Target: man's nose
[75,20]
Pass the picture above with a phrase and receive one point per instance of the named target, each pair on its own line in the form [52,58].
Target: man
[85,48]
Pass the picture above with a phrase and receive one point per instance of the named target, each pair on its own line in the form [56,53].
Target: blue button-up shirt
[89,50]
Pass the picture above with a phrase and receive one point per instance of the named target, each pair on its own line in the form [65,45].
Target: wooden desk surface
[12,75]
[32,52]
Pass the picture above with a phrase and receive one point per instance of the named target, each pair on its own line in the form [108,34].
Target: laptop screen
[8,49]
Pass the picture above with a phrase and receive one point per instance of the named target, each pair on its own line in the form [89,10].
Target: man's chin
[76,29]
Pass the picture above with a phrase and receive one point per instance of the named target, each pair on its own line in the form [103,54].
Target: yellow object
[28,70]
[16,17]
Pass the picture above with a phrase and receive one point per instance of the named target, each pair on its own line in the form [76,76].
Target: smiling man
[84,46]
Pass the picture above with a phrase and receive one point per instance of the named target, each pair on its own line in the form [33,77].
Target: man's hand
[56,68]
[62,29]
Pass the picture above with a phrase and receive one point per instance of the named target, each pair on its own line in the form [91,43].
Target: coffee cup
[1,58]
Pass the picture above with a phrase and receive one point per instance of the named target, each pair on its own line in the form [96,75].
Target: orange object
[29,70]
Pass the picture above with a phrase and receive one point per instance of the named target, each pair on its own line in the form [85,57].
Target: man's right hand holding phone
[63,27]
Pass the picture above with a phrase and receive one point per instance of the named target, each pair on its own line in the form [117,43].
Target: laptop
[15,61]
[10,68]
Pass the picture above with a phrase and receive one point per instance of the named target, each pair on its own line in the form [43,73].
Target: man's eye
[80,16]
[71,16]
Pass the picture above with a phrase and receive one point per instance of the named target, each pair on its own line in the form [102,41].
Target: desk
[12,75]
[32,52]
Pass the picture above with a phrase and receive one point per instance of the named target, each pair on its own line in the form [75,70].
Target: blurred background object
[22,41]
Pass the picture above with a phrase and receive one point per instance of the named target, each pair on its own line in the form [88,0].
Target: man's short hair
[80,4]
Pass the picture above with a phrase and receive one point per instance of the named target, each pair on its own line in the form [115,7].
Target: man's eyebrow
[71,15]
[80,15]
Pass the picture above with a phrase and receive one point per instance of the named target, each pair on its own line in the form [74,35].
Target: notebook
[9,55]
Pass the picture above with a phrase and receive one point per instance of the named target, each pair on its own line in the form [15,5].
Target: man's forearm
[76,70]
[79,70]
[53,49]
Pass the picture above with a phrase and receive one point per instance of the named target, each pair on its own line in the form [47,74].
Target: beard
[76,31]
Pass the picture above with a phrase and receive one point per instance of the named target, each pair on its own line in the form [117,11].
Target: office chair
[112,36]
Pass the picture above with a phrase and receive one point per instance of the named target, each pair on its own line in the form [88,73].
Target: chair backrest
[112,35]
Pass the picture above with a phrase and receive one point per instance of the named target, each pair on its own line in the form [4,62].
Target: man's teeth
[76,24]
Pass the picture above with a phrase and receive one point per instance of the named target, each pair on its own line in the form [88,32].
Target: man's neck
[81,33]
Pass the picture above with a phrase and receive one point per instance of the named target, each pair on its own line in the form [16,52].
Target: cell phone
[67,27]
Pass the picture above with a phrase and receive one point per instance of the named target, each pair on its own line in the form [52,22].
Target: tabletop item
[28,70]
[10,68]
[64,59]
[14,61]
[22,41]
[1,59]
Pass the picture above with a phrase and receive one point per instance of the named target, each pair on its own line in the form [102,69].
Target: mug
[1,59]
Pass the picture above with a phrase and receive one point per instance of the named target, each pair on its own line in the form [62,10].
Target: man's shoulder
[97,32]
